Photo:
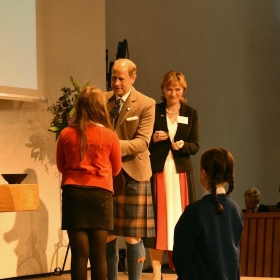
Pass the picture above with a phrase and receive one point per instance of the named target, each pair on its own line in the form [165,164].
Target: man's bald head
[125,63]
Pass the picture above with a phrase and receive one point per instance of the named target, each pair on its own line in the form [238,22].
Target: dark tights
[88,244]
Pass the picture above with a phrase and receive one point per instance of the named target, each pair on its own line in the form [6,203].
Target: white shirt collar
[124,97]
[257,208]
[219,191]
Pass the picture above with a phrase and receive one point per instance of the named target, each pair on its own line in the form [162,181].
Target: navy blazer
[186,132]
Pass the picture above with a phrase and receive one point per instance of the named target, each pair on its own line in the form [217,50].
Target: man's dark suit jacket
[263,208]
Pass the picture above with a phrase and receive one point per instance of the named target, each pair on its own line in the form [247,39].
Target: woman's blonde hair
[90,107]
[169,79]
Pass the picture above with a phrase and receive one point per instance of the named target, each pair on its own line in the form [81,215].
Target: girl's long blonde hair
[90,107]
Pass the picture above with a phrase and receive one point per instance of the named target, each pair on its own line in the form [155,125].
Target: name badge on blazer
[132,119]
[184,120]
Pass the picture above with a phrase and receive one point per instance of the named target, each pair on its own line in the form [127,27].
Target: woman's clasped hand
[162,135]
[177,145]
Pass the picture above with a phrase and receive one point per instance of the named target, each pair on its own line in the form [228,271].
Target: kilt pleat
[133,211]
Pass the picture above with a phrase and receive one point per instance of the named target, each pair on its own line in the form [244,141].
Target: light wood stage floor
[145,276]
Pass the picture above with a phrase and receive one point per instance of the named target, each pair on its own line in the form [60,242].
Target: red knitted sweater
[102,159]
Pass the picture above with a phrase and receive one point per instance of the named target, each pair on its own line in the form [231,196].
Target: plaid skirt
[133,211]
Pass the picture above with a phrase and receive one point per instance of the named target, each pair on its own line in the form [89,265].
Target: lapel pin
[162,115]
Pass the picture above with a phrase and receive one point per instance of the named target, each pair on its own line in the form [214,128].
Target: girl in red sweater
[88,156]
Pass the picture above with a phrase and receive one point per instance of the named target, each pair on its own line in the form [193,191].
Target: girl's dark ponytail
[218,164]
[220,208]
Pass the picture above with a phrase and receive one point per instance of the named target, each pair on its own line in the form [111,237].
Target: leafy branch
[64,108]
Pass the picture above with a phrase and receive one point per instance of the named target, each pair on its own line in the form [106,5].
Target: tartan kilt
[133,210]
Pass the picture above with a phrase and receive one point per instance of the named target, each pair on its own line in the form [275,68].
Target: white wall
[74,44]
[229,52]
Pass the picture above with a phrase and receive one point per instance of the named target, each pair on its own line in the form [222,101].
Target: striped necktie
[116,110]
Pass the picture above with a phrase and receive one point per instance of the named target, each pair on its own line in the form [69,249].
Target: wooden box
[19,197]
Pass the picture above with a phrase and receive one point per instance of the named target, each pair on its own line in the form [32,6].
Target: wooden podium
[19,197]
[260,245]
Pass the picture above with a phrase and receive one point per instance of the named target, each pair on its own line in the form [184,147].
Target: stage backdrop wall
[73,44]
[229,53]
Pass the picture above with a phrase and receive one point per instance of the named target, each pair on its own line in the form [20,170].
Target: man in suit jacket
[133,118]
[252,201]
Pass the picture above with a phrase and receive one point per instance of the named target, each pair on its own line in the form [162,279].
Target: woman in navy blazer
[174,139]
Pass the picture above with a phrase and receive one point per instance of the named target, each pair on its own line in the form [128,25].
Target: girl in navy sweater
[208,233]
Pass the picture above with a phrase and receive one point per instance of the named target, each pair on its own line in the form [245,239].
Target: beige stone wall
[73,44]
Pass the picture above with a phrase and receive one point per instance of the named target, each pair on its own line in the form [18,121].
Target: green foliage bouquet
[64,107]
